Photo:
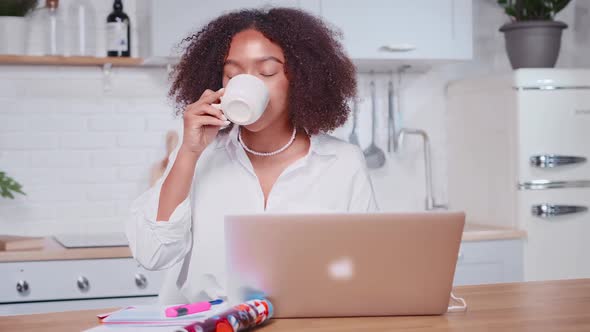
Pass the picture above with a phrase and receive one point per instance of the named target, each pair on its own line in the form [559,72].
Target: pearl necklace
[267,154]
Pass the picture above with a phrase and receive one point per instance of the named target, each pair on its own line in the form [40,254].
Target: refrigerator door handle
[547,210]
[547,184]
[553,160]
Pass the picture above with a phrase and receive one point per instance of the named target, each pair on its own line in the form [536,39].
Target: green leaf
[16,7]
[8,186]
[559,5]
[527,10]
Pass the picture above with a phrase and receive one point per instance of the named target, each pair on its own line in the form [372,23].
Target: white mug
[244,100]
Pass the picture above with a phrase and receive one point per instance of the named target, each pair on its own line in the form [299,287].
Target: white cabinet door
[173,20]
[488,262]
[382,29]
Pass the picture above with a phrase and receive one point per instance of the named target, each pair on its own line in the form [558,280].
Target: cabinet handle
[552,160]
[22,287]
[141,281]
[552,210]
[83,284]
[394,48]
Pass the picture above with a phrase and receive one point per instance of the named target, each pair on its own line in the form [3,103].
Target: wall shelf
[69,61]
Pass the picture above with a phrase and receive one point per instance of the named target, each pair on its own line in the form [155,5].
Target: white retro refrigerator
[518,150]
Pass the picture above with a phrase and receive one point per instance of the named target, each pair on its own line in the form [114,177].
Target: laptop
[344,265]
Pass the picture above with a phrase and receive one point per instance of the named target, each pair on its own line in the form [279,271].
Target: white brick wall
[83,153]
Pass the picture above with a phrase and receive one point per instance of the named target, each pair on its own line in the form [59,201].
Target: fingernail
[223,117]
[226,123]
[221,90]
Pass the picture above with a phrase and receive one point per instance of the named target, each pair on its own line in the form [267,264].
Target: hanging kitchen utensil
[396,106]
[391,142]
[353,138]
[374,156]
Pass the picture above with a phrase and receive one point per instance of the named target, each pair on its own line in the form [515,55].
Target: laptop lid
[331,265]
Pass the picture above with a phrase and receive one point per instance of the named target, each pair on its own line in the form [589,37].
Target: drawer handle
[22,287]
[546,184]
[83,284]
[553,210]
[141,281]
[553,160]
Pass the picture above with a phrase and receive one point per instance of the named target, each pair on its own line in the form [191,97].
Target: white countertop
[54,251]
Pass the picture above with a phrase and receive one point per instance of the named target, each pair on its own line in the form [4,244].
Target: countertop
[54,251]
[531,306]
[476,232]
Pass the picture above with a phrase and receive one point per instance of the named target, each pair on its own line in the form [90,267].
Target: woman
[284,162]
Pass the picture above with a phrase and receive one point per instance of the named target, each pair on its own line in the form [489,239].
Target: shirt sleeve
[158,245]
[362,198]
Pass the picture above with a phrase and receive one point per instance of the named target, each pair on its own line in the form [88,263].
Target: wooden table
[532,306]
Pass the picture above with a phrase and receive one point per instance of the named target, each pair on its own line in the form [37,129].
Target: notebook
[154,315]
[123,328]
[221,317]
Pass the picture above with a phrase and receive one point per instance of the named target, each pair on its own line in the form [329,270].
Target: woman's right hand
[202,122]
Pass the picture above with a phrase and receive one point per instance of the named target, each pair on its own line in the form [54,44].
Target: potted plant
[13,28]
[533,37]
[8,185]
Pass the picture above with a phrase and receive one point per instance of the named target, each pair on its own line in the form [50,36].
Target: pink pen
[187,309]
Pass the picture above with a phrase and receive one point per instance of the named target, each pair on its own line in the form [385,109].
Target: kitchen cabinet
[488,262]
[173,20]
[55,285]
[374,31]
[28,308]
[394,30]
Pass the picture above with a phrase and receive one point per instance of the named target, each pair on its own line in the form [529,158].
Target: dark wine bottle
[118,32]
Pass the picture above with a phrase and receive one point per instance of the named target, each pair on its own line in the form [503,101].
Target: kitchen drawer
[486,262]
[76,279]
[554,122]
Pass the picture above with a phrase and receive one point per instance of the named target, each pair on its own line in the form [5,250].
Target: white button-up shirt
[332,177]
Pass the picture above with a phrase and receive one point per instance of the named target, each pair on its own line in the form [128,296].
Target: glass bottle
[118,32]
[55,29]
[81,29]
[46,30]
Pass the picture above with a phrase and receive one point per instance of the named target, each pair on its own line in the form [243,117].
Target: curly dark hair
[321,77]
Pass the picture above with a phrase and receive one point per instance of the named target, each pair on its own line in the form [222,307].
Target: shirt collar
[319,144]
